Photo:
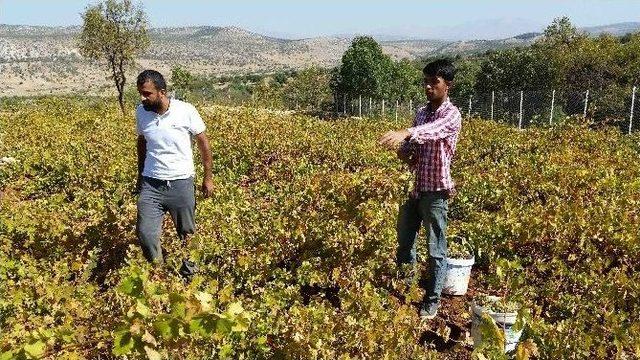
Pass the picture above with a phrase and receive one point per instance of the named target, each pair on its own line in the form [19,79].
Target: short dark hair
[442,67]
[155,77]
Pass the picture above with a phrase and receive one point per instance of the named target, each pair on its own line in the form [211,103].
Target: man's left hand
[393,138]
[207,187]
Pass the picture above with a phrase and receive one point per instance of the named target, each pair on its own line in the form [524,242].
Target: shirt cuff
[412,135]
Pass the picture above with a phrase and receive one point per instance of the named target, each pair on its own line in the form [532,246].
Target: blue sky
[298,19]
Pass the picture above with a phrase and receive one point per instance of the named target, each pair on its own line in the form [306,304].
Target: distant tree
[336,81]
[467,70]
[114,33]
[365,70]
[593,64]
[309,88]
[282,76]
[404,81]
[629,57]
[558,48]
[268,92]
[561,32]
[516,69]
[182,80]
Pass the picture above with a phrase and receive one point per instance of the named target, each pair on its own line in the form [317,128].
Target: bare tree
[114,33]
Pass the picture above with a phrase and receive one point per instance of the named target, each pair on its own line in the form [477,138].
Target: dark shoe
[428,310]
[187,270]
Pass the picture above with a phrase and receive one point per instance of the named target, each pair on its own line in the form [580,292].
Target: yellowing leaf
[526,349]
[152,354]
[142,308]
[35,349]
[149,339]
[123,343]
[205,300]
[235,308]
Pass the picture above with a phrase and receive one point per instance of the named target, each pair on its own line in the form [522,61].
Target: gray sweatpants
[156,198]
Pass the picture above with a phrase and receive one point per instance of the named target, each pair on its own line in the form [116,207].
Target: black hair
[442,67]
[155,77]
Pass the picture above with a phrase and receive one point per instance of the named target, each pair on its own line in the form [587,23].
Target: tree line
[561,58]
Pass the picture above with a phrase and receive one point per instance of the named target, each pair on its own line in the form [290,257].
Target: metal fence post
[382,110]
[553,101]
[370,105]
[633,103]
[469,111]
[344,104]
[493,98]
[410,106]
[586,102]
[520,117]
[359,105]
[396,110]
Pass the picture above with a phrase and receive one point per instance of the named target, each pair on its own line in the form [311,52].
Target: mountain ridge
[42,59]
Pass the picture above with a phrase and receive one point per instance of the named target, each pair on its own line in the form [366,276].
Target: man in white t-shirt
[165,128]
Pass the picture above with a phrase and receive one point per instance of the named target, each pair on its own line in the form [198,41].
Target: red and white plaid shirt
[434,135]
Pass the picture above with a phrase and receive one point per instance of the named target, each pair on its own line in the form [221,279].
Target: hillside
[41,60]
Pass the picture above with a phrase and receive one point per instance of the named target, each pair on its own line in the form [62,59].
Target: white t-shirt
[169,138]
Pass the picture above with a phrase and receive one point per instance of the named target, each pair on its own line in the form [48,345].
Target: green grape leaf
[123,343]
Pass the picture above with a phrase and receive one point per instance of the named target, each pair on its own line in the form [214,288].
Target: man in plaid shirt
[428,147]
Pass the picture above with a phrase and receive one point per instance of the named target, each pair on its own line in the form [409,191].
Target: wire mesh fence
[366,106]
[524,108]
[614,107]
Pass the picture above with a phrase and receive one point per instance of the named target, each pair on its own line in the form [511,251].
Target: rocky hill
[40,59]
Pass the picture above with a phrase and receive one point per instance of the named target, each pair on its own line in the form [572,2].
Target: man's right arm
[392,139]
[447,125]
[142,153]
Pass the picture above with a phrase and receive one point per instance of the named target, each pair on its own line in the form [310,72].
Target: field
[297,244]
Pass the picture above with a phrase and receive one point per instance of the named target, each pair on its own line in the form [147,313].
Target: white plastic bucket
[458,275]
[505,322]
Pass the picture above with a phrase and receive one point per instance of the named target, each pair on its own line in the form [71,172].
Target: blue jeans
[430,211]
